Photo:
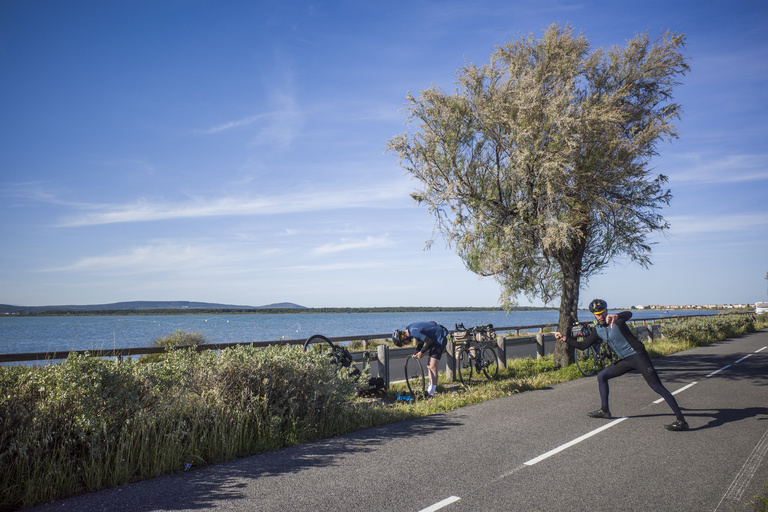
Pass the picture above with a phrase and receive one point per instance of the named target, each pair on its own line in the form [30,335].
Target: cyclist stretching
[633,356]
[431,337]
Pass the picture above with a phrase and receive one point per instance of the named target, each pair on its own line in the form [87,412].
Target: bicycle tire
[602,360]
[339,355]
[414,377]
[586,360]
[490,363]
[464,364]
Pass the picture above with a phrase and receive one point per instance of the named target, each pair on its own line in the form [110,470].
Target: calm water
[61,333]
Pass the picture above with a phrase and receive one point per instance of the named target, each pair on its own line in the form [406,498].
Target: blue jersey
[427,334]
[619,337]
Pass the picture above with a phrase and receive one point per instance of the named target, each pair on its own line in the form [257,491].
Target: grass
[90,423]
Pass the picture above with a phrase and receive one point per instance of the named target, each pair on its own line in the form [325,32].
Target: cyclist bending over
[431,338]
[633,356]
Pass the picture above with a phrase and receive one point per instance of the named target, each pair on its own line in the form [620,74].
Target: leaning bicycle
[340,357]
[592,359]
[475,352]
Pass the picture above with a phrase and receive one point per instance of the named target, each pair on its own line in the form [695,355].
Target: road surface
[532,451]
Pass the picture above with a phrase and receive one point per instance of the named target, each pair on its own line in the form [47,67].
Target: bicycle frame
[476,354]
[592,359]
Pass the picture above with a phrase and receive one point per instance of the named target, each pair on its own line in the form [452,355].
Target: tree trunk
[569,304]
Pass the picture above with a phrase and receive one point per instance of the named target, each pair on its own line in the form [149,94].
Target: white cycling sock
[432,389]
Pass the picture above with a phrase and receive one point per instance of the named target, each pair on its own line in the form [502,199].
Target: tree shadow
[207,487]
[697,367]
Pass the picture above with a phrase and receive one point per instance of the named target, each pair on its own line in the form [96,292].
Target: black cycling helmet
[397,337]
[598,306]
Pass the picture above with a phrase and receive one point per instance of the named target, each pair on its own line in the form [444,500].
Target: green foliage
[96,423]
[177,339]
[700,331]
[760,502]
[90,423]
[181,339]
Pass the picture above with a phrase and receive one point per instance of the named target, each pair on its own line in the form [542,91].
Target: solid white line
[718,371]
[441,504]
[675,392]
[760,350]
[571,443]
[743,358]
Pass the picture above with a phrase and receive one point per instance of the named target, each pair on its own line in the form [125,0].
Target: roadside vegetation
[90,423]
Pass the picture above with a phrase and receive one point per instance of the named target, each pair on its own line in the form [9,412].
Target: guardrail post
[382,352]
[502,352]
[450,362]
[539,345]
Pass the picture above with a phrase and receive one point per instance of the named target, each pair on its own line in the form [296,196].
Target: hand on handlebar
[418,355]
[558,336]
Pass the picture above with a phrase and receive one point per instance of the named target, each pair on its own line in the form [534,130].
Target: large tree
[537,168]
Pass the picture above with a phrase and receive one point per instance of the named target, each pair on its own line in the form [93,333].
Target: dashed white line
[441,504]
[718,371]
[575,441]
[736,486]
[676,392]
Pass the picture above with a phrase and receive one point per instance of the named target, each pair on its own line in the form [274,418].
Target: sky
[234,152]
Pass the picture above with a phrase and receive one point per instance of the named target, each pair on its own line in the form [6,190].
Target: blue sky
[233,152]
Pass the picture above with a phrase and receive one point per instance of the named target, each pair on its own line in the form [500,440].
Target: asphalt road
[533,451]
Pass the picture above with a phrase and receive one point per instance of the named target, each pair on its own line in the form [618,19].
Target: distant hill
[137,306]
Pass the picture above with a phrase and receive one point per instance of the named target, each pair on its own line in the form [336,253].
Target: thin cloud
[368,242]
[149,211]
[234,124]
[146,259]
[695,225]
[738,168]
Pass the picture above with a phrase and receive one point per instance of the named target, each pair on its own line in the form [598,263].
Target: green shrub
[177,339]
[700,331]
[89,423]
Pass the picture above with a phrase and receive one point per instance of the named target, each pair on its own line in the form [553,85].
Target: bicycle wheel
[585,361]
[601,361]
[338,354]
[490,363]
[414,377]
[464,364]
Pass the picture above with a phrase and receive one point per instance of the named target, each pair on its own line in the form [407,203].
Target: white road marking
[718,371]
[441,504]
[675,392]
[760,350]
[575,441]
[743,358]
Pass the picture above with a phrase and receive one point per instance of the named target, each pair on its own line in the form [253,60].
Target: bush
[90,423]
[177,339]
[700,331]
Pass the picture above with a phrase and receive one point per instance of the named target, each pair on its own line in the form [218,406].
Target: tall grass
[90,423]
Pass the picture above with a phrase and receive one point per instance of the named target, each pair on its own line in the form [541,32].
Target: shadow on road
[717,417]
[210,486]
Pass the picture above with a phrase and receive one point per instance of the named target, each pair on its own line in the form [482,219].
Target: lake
[64,333]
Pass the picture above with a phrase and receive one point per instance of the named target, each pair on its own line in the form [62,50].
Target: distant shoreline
[256,311]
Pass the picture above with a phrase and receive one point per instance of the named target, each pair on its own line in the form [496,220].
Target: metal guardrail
[358,356]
